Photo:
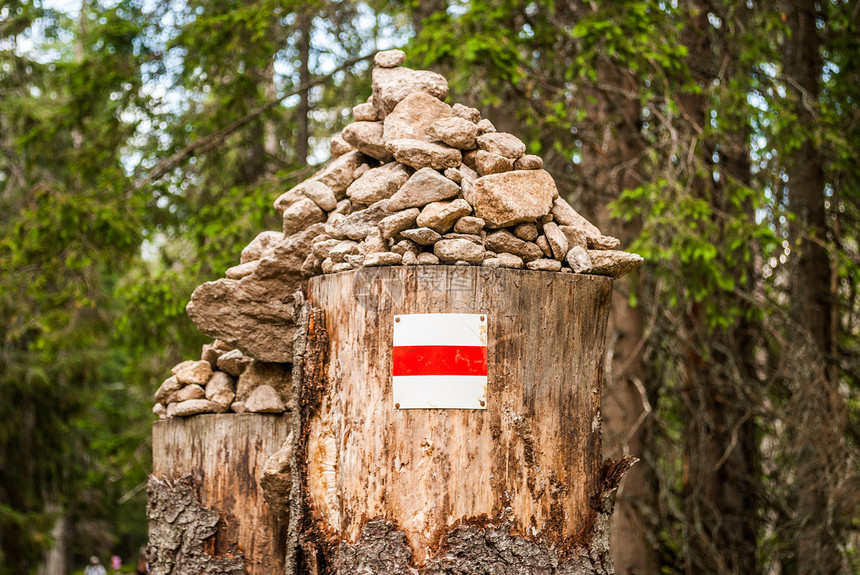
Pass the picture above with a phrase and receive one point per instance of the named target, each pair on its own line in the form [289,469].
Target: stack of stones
[224,380]
[414,181]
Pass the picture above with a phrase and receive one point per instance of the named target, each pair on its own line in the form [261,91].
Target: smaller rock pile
[224,380]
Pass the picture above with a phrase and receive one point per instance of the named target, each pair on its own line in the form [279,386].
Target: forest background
[142,143]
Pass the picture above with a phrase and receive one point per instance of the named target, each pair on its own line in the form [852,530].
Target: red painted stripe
[439,360]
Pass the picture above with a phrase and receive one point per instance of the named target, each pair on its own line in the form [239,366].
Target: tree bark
[817,422]
[519,484]
[206,510]
[627,405]
[719,473]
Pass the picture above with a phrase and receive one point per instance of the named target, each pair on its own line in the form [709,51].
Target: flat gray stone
[254,314]
[383,259]
[422,236]
[420,154]
[613,263]
[458,250]
[378,183]
[544,264]
[423,187]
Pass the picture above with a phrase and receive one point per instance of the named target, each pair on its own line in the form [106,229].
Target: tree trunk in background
[626,407]
[303,110]
[815,420]
[56,558]
[719,440]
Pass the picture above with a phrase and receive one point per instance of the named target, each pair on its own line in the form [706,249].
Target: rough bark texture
[180,530]
[818,418]
[225,454]
[525,473]
[480,549]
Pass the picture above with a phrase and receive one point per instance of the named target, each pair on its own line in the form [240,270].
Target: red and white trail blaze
[439,361]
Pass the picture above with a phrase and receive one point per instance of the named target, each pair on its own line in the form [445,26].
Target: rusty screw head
[483,403]
[396,406]
[396,319]
[482,318]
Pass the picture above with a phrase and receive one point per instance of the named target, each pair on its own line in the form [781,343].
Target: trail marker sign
[439,361]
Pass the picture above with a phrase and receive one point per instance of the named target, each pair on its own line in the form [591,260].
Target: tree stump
[206,510]
[516,486]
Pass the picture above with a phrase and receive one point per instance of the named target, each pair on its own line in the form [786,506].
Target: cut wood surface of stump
[528,466]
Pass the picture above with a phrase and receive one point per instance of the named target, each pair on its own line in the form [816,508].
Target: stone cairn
[414,181]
